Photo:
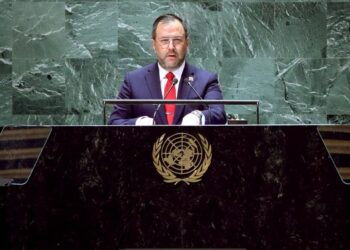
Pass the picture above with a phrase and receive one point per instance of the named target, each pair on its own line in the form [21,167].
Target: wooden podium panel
[265,187]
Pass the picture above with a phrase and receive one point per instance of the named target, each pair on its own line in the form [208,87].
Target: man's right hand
[144,121]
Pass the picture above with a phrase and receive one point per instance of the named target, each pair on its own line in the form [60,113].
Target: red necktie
[170,108]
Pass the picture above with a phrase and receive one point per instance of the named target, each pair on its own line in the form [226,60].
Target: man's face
[170,44]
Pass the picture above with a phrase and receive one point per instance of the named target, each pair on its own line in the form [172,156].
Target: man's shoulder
[143,70]
[196,70]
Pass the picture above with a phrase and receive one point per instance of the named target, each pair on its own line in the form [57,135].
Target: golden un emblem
[181,157]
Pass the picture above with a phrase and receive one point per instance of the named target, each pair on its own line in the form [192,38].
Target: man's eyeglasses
[164,42]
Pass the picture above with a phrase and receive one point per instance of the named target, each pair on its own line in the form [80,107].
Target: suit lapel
[183,92]
[153,85]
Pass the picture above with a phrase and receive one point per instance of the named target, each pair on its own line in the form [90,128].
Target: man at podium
[171,77]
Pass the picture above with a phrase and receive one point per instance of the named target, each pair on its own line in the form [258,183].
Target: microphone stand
[189,81]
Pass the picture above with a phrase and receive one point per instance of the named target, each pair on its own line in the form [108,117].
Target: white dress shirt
[163,80]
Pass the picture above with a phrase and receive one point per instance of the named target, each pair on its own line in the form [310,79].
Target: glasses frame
[164,42]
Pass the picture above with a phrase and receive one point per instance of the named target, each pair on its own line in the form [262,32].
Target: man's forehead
[178,30]
[171,22]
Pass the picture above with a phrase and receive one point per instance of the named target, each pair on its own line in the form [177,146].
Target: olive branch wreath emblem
[170,177]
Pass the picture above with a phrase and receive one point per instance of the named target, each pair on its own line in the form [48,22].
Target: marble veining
[291,55]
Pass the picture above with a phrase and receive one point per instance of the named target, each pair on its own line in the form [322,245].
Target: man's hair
[167,18]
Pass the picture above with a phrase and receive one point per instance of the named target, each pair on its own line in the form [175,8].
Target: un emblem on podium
[181,157]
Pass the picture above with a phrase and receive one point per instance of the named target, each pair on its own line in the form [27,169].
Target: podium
[265,187]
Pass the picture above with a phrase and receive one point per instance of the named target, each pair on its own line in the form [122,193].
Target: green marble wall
[59,59]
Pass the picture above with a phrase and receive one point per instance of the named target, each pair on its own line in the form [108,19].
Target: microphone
[175,81]
[189,81]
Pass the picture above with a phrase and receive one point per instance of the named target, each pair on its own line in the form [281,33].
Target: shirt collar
[177,72]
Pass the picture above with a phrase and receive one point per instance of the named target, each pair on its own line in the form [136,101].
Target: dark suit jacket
[144,83]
